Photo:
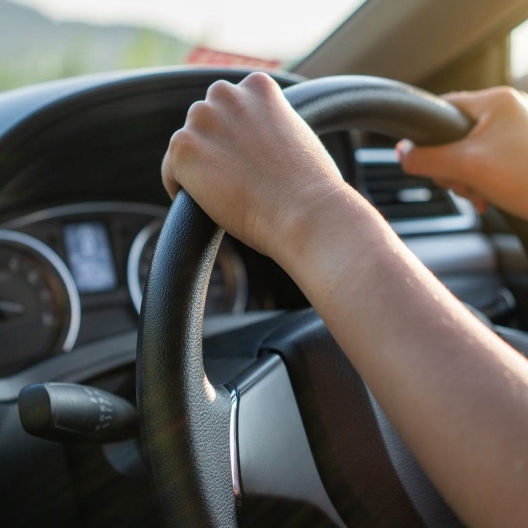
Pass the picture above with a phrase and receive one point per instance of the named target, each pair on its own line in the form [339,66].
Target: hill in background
[34,48]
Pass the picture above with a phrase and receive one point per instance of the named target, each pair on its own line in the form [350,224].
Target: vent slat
[399,196]
[397,184]
[394,197]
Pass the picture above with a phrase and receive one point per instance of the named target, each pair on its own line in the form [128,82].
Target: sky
[282,29]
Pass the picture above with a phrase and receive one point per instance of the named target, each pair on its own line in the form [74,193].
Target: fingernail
[403,148]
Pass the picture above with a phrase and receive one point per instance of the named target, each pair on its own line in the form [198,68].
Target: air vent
[411,204]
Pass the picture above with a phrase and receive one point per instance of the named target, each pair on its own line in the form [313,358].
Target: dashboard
[75,273]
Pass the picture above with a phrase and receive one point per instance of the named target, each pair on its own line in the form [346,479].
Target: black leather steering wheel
[188,425]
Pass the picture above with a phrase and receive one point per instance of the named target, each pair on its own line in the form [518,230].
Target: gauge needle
[11,307]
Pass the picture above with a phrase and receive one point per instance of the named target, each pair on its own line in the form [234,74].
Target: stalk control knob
[66,412]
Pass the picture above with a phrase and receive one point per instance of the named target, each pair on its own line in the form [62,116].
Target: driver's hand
[251,163]
[491,163]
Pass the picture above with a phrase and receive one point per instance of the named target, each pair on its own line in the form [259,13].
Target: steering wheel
[199,439]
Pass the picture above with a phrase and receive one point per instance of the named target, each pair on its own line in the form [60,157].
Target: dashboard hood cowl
[26,111]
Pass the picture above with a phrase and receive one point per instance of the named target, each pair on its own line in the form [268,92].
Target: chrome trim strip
[57,263]
[85,208]
[375,156]
[465,221]
[134,258]
[233,445]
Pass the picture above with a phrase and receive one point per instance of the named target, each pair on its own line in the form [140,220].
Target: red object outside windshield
[203,55]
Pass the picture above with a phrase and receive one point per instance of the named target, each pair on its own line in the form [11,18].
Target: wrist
[298,221]
[333,232]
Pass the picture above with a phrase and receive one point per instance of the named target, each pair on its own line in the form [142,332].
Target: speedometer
[39,303]
[227,290]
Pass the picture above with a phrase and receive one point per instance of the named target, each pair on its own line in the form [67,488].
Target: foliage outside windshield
[42,40]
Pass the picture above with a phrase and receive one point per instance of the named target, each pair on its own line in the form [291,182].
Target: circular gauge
[40,312]
[227,290]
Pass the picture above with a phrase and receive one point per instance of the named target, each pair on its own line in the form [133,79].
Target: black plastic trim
[102,356]
[275,457]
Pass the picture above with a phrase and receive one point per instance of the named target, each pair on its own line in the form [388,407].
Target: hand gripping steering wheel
[190,427]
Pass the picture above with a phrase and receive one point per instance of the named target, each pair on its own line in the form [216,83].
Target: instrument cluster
[72,274]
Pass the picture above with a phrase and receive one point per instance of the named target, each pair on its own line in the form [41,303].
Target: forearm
[456,393]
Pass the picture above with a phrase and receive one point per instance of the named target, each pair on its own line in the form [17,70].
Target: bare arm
[456,393]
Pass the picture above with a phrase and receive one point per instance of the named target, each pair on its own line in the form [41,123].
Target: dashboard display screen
[90,257]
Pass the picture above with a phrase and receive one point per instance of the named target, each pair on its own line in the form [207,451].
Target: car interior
[107,368]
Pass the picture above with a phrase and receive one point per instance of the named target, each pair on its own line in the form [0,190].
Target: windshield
[49,39]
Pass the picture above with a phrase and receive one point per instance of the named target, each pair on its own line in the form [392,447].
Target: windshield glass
[49,39]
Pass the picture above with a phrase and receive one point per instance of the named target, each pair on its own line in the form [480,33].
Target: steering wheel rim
[184,420]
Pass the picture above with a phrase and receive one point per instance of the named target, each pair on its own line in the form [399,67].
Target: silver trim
[233,445]
[465,221]
[375,156]
[415,195]
[134,259]
[85,208]
[57,263]
[441,224]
